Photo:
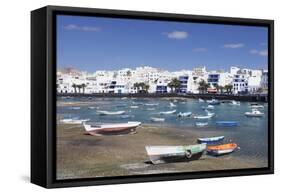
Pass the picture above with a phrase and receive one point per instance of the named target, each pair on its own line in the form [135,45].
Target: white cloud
[263,53]
[179,35]
[82,28]
[234,45]
[254,51]
[199,50]
[257,52]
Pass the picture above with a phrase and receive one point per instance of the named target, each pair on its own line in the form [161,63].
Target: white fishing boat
[162,154]
[73,121]
[168,112]
[134,107]
[257,106]
[172,104]
[235,103]
[93,107]
[103,112]
[111,128]
[76,108]
[254,113]
[213,102]
[184,114]
[210,113]
[203,116]
[151,104]
[201,124]
[156,119]
[201,100]
[209,107]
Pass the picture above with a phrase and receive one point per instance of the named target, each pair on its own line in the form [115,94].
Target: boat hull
[164,154]
[112,131]
[210,141]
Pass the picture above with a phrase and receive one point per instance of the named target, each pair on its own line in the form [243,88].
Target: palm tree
[74,86]
[79,87]
[83,87]
[228,88]
[137,86]
[146,88]
[203,86]
[174,84]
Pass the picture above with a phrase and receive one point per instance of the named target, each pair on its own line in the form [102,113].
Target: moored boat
[211,140]
[111,128]
[134,107]
[209,107]
[162,154]
[156,119]
[201,124]
[218,150]
[151,104]
[235,103]
[184,114]
[172,104]
[227,123]
[203,116]
[103,112]
[201,100]
[254,113]
[213,102]
[168,112]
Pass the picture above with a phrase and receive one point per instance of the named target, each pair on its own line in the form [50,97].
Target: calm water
[251,134]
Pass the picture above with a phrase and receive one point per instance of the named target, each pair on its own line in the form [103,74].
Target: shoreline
[246,98]
[84,156]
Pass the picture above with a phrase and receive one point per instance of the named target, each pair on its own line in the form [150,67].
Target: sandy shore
[84,156]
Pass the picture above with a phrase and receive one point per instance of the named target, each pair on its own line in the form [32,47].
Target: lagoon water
[251,134]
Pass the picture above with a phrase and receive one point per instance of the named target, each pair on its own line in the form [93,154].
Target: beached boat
[172,104]
[184,114]
[162,154]
[210,140]
[201,124]
[254,113]
[103,112]
[156,119]
[201,100]
[151,104]
[213,102]
[222,149]
[73,121]
[112,128]
[168,112]
[227,123]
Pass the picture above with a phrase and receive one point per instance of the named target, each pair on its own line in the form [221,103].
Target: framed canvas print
[125,96]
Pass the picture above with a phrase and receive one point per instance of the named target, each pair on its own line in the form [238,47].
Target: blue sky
[95,43]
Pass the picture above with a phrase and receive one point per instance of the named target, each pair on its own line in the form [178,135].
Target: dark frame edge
[38,97]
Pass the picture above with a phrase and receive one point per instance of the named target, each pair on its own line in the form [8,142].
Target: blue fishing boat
[227,123]
[211,140]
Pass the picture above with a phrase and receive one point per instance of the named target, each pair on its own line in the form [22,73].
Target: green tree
[228,88]
[203,86]
[174,84]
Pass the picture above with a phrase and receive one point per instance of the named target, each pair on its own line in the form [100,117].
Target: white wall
[15,104]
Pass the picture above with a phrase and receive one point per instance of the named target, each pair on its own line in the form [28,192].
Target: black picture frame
[43,96]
